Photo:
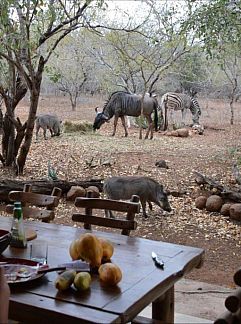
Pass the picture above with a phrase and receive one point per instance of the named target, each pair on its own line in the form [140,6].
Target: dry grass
[81,127]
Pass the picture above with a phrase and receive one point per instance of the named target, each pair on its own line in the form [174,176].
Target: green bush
[141,121]
[72,127]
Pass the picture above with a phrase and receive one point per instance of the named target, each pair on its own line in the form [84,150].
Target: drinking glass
[39,251]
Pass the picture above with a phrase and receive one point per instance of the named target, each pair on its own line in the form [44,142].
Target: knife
[77,265]
[158,263]
[14,271]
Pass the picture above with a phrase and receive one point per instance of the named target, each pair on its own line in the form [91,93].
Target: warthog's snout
[165,203]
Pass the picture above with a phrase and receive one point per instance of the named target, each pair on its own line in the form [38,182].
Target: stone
[75,191]
[94,190]
[214,203]
[162,164]
[225,210]
[200,202]
[235,212]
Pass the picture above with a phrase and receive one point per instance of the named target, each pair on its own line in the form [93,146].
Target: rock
[235,212]
[75,191]
[182,132]
[200,202]
[199,129]
[161,164]
[214,203]
[94,190]
[225,209]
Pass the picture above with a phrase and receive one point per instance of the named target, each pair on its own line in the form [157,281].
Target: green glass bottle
[17,229]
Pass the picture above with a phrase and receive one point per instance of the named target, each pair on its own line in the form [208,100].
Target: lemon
[82,281]
[65,279]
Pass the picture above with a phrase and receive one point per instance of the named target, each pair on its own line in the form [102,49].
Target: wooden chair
[130,208]
[35,205]
[233,304]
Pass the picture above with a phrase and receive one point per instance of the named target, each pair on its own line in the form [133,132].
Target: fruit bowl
[5,238]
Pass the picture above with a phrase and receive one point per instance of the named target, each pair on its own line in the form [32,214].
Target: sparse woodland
[67,60]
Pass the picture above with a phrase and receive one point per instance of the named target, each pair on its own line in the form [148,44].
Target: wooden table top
[142,281]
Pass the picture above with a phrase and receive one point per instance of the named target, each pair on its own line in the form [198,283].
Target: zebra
[180,101]
[121,104]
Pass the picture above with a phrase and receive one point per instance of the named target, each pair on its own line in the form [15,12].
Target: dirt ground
[211,154]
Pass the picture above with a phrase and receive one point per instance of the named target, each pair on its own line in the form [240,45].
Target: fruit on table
[108,249]
[73,250]
[82,281]
[110,274]
[90,249]
[65,279]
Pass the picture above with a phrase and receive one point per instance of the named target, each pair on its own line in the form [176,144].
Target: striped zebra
[180,101]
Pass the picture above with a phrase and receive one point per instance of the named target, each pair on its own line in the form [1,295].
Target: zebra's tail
[156,116]
[164,103]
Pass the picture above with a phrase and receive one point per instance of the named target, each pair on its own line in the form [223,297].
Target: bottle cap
[17,204]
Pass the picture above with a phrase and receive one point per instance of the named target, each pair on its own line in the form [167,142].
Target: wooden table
[142,283]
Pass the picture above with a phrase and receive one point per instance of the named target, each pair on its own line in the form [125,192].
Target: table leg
[163,307]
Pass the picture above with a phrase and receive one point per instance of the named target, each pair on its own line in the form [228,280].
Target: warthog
[146,188]
[50,122]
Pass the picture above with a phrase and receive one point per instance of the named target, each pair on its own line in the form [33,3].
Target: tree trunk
[73,102]
[34,99]
[8,141]
[45,186]
[11,98]
[29,132]
[232,111]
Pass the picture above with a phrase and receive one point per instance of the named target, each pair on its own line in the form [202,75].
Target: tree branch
[50,32]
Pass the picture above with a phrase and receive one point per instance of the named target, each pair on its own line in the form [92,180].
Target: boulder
[235,212]
[200,202]
[162,164]
[94,190]
[225,209]
[75,191]
[214,203]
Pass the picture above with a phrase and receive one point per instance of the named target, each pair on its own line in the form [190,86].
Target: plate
[20,270]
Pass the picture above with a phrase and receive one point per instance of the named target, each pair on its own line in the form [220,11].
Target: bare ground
[211,154]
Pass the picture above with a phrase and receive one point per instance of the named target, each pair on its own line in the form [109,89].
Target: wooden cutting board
[30,234]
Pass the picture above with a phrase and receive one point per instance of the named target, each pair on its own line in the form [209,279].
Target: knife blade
[158,263]
[77,265]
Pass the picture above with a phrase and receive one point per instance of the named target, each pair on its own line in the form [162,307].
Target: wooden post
[88,211]
[130,215]
[56,192]
[163,307]
[233,301]
[225,318]
[26,188]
